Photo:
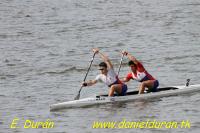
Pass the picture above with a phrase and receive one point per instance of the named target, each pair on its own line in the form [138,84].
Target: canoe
[131,96]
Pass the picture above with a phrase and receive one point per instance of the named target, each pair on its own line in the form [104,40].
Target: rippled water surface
[45,49]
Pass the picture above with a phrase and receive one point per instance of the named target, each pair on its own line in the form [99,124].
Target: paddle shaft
[89,67]
[120,64]
[86,75]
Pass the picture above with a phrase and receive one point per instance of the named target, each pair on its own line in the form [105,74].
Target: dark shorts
[155,86]
[124,90]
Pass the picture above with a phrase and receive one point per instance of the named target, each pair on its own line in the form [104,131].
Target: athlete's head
[103,67]
[132,65]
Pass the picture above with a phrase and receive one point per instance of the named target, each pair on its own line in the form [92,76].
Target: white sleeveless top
[109,79]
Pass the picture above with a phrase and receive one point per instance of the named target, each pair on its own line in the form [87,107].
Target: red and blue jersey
[140,75]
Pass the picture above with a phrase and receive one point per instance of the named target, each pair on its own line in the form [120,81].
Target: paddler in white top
[108,76]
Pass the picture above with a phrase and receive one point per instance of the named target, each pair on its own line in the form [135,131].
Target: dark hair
[131,63]
[103,64]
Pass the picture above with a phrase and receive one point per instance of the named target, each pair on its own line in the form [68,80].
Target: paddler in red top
[139,74]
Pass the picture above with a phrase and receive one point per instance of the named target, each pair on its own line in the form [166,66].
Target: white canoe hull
[103,99]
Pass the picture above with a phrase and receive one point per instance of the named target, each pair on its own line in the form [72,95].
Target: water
[45,49]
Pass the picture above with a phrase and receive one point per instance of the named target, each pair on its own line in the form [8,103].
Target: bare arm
[125,80]
[104,58]
[131,57]
[89,83]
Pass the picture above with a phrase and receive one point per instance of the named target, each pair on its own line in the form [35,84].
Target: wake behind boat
[130,96]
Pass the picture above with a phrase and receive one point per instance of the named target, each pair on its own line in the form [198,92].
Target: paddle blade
[77,97]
